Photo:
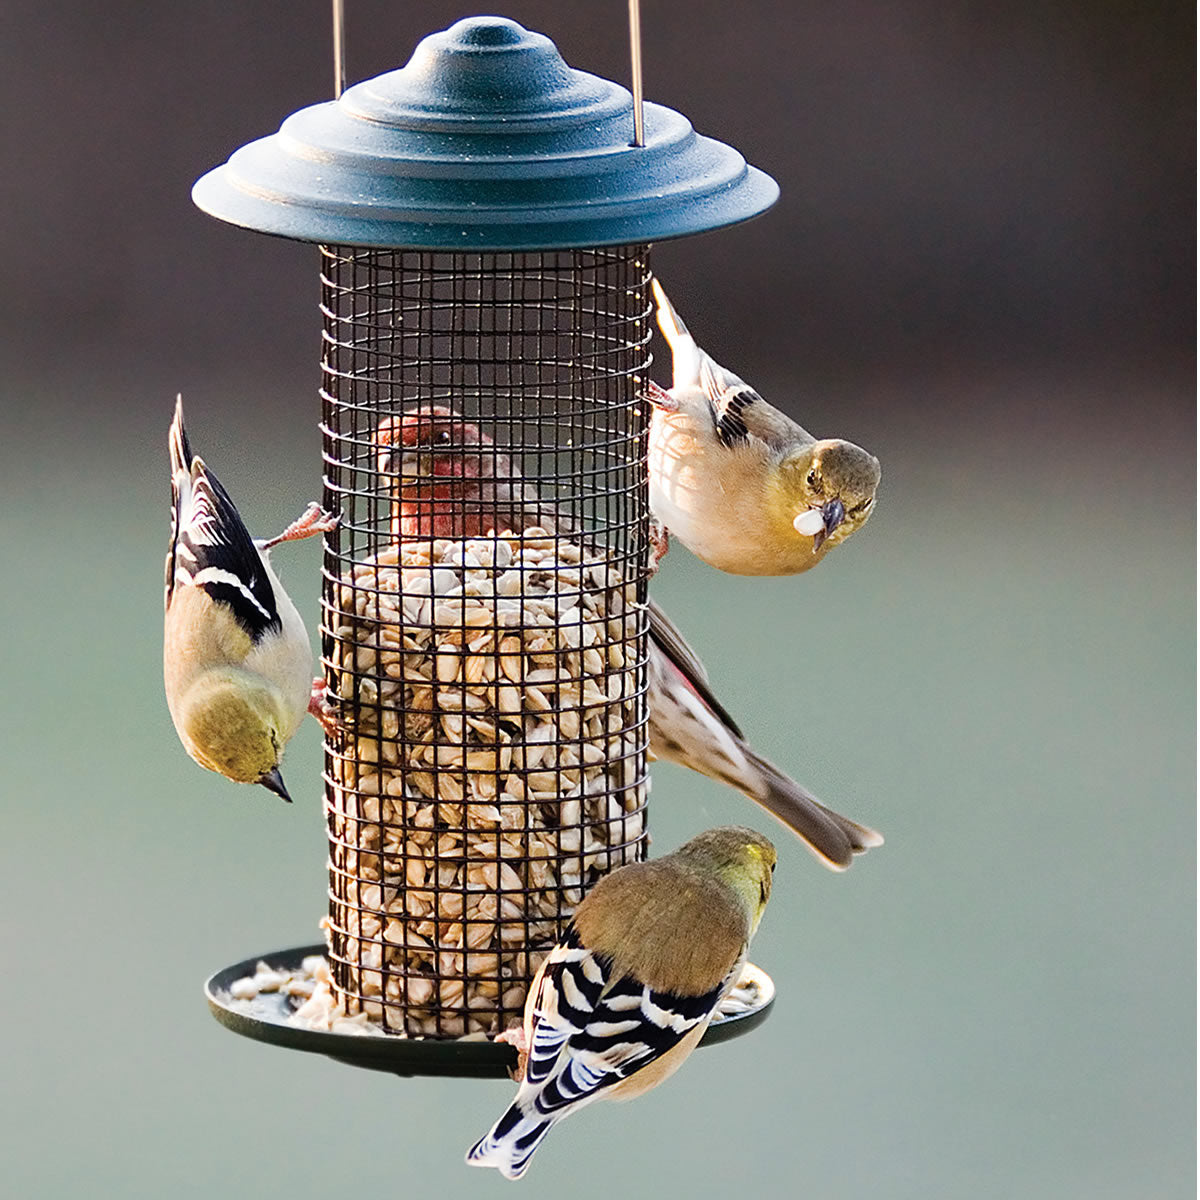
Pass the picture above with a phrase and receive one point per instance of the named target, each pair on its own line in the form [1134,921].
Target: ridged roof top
[486,140]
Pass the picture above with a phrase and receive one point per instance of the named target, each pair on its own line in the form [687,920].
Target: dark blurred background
[982,268]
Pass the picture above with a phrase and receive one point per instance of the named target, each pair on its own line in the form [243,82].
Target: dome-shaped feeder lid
[486,140]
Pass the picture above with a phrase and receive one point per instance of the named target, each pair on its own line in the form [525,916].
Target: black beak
[273,782]
[834,513]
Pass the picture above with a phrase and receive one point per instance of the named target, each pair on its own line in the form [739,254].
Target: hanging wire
[635,54]
[339,47]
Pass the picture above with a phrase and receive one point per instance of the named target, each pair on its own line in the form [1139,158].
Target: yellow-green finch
[453,481]
[627,993]
[737,481]
[236,657]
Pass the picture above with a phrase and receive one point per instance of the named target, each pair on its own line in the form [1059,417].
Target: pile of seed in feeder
[492,769]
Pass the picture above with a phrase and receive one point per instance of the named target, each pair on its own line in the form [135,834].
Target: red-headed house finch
[237,662]
[453,481]
[627,993]
[737,481]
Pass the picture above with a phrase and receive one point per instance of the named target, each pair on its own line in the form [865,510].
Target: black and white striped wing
[210,545]
[590,1031]
[741,416]
[729,398]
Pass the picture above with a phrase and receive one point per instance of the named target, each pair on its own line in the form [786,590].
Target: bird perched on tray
[236,657]
[629,990]
[737,481]
[453,481]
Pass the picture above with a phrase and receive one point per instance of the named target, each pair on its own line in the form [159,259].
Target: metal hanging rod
[339,47]
[635,54]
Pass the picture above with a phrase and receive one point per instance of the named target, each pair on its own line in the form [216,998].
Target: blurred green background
[982,268]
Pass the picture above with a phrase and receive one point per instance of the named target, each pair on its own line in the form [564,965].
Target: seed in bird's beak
[810,522]
[832,515]
[273,782]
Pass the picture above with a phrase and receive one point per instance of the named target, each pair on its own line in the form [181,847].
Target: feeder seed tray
[266,1018]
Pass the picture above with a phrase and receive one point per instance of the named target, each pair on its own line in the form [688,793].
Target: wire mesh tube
[482,619]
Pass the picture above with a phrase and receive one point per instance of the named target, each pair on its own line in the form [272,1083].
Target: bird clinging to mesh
[237,663]
[737,481]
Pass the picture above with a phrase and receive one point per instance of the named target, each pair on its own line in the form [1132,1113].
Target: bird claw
[324,705]
[515,1037]
[660,543]
[661,398]
[312,521]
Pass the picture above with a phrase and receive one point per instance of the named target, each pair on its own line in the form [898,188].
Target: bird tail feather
[177,441]
[833,838]
[181,462]
[685,354]
[510,1143]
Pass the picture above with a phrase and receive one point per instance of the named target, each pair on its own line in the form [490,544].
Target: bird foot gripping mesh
[483,621]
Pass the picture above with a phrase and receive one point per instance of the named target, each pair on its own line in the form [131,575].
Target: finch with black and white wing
[737,481]
[627,993]
[237,662]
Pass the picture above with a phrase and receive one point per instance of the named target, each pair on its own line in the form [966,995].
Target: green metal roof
[486,140]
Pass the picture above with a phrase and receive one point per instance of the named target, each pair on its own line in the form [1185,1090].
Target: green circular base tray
[265,1019]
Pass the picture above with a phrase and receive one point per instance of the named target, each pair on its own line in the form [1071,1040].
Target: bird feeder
[484,218]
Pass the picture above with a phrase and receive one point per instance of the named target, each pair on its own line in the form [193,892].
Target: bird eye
[772,868]
[814,481]
[443,438]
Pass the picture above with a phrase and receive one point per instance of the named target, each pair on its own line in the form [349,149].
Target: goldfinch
[629,990]
[453,481]
[737,481]
[237,663]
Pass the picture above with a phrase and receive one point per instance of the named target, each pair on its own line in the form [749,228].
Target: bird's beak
[832,514]
[273,782]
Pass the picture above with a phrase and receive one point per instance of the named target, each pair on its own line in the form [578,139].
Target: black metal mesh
[482,619]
